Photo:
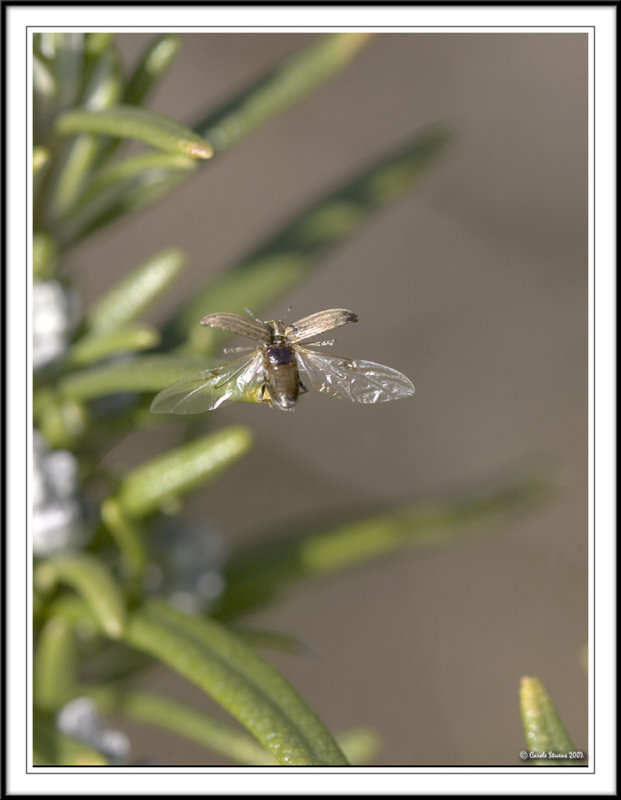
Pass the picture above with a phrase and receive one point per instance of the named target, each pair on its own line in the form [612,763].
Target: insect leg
[228,350]
[325,343]
[265,395]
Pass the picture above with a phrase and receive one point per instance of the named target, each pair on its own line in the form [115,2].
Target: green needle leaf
[54,668]
[70,172]
[121,173]
[104,86]
[184,721]
[40,161]
[155,62]
[94,347]
[280,88]
[360,745]
[45,44]
[275,640]
[256,574]
[143,374]
[256,105]
[128,537]
[288,257]
[223,665]
[43,82]
[44,98]
[40,157]
[230,671]
[131,122]
[135,293]
[61,421]
[122,198]
[68,65]
[93,582]
[77,158]
[44,255]
[543,728]
[155,483]
[97,42]
[74,610]
[123,186]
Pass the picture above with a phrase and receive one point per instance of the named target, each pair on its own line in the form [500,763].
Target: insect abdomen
[282,378]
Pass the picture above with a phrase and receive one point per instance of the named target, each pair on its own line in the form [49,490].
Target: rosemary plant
[114,590]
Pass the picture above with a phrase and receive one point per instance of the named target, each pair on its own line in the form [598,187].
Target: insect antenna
[252,316]
[286,314]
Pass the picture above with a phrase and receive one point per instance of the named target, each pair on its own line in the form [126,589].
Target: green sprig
[154,63]
[239,680]
[55,664]
[131,122]
[256,573]
[289,256]
[91,579]
[543,727]
[153,485]
[129,298]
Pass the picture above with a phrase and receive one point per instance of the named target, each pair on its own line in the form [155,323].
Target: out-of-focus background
[475,285]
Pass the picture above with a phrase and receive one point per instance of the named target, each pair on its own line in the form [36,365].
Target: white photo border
[599,22]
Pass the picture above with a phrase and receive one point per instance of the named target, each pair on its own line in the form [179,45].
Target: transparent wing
[241,379]
[358,381]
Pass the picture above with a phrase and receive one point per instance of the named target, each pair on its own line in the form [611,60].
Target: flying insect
[278,368]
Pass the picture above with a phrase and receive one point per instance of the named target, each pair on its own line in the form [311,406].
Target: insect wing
[241,379]
[318,323]
[358,381]
[235,323]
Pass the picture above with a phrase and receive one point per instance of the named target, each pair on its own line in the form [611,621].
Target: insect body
[276,369]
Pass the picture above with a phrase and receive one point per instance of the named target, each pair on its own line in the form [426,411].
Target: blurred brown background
[474,285]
